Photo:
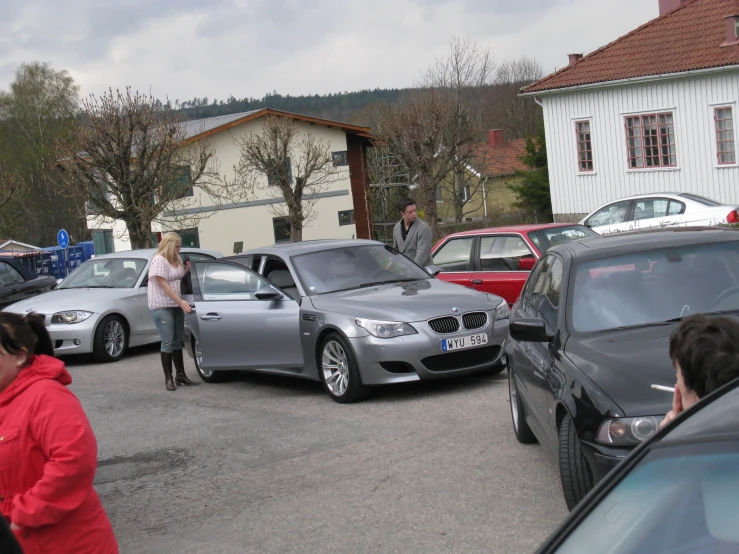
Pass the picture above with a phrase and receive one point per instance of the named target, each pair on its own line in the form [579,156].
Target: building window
[726,148]
[650,141]
[281,227]
[272,182]
[584,146]
[183,177]
[102,240]
[340,158]
[190,237]
[346,218]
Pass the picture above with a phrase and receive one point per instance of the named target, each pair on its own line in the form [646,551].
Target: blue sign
[62,238]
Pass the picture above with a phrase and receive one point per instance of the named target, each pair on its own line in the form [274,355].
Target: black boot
[167,366]
[179,364]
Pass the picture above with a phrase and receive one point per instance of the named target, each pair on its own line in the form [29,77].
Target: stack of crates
[37,262]
[61,266]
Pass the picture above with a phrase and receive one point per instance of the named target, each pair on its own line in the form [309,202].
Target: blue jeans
[170,323]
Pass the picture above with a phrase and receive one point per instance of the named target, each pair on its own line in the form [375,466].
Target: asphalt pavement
[272,464]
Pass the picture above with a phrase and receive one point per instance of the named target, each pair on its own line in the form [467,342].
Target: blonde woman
[167,308]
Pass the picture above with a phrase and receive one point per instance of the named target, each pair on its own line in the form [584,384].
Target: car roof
[515,229]
[305,247]
[149,252]
[615,244]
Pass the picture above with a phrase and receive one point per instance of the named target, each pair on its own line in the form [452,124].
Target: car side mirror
[267,293]
[433,270]
[527,263]
[529,330]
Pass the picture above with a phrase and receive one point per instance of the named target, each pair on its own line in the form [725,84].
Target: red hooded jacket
[48,458]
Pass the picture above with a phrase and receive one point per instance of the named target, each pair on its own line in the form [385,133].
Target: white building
[341,209]
[653,111]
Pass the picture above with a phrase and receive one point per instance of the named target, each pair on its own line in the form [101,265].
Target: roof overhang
[646,79]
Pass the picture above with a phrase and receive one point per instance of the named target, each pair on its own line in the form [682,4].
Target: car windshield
[655,286]
[108,273]
[680,499]
[546,238]
[354,267]
[701,199]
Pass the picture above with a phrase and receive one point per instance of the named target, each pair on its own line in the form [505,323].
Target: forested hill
[349,107]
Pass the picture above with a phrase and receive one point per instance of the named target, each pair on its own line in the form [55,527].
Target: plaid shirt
[160,267]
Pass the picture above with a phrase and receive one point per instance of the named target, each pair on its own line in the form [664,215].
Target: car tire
[111,339]
[574,471]
[207,376]
[518,413]
[344,384]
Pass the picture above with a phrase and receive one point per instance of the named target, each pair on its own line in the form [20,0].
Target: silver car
[101,307]
[350,313]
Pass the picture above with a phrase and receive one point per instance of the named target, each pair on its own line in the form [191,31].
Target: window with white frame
[650,141]
[725,145]
[584,146]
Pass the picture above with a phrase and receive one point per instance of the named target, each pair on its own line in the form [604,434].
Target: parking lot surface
[271,464]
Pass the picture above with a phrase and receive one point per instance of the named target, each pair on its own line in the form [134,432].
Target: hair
[168,250]
[707,351]
[403,203]
[18,332]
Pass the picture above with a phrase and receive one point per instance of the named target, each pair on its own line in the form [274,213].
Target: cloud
[186,48]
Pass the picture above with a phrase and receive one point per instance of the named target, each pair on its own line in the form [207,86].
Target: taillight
[733,217]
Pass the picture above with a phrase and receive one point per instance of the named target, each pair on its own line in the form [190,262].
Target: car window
[501,253]
[219,281]
[648,208]
[455,254]
[678,499]
[546,238]
[9,275]
[700,199]
[197,257]
[610,215]
[535,284]
[676,208]
[106,273]
[549,306]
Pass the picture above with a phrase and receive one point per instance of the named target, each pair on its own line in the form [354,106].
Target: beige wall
[253,224]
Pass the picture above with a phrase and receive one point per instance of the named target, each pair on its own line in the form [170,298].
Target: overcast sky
[183,49]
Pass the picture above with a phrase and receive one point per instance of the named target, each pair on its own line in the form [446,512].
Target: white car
[659,210]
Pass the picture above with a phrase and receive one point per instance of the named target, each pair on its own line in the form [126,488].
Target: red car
[498,260]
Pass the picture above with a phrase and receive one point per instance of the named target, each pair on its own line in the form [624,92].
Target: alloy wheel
[114,338]
[335,366]
[198,352]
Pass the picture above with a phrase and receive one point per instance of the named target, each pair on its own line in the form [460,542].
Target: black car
[677,492]
[589,335]
[18,283]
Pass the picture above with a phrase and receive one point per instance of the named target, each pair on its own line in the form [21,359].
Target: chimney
[574,58]
[495,137]
[732,30]
[669,5]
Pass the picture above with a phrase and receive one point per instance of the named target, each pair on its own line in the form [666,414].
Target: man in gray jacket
[411,235]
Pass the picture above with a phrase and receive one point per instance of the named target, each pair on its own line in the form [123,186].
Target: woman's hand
[187,266]
[185,305]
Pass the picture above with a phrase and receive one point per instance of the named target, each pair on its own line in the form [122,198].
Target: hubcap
[514,400]
[335,366]
[114,338]
[199,361]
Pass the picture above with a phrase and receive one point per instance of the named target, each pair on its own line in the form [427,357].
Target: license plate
[460,343]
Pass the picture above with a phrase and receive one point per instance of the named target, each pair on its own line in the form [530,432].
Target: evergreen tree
[532,195]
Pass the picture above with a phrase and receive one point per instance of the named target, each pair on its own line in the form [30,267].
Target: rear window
[546,238]
[701,199]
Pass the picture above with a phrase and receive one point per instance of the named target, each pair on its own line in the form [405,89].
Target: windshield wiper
[652,324]
[375,283]
[92,287]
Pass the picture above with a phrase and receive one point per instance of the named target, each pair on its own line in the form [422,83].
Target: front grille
[444,325]
[462,359]
[474,320]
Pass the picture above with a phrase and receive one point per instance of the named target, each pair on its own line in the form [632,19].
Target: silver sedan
[351,314]
[101,308]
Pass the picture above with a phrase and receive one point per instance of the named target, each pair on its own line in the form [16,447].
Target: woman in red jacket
[48,452]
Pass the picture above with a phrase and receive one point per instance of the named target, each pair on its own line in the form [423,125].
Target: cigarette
[666,389]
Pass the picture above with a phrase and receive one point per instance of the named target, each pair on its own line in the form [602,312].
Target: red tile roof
[496,161]
[685,39]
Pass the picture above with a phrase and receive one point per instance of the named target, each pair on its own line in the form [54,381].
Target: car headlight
[502,311]
[385,329]
[74,316]
[627,430]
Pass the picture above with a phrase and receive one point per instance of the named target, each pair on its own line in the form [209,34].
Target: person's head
[170,248]
[21,337]
[407,209]
[705,353]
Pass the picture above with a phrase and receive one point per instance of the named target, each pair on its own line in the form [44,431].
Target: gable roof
[687,38]
[500,160]
[200,128]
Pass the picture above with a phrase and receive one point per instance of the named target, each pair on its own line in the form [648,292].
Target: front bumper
[602,459]
[419,357]
[75,338]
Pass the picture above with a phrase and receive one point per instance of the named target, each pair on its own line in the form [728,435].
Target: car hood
[91,300]
[625,364]
[408,302]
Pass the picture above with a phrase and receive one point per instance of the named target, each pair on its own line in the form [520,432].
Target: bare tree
[433,129]
[133,159]
[286,159]
[517,116]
